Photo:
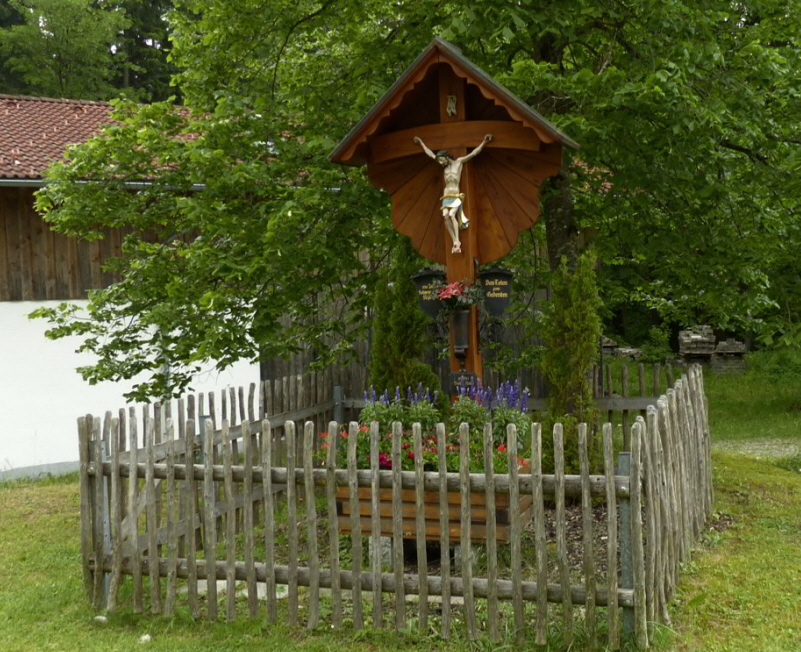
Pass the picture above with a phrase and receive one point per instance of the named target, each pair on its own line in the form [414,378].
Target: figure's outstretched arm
[425,148]
[476,151]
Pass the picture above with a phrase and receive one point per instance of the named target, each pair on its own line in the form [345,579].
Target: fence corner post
[339,412]
[626,565]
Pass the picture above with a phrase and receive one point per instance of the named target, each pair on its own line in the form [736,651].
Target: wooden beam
[453,135]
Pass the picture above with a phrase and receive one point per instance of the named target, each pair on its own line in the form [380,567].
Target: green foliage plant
[686,113]
[63,48]
[399,328]
[657,347]
[571,330]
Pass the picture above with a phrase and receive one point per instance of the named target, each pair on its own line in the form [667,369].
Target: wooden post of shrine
[446,102]
[461,266]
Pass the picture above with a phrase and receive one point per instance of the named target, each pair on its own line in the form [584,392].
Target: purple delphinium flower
[372,392]
[397,392]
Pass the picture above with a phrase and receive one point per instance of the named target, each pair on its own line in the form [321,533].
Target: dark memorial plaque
[427,282]
[497,290]
[465,379]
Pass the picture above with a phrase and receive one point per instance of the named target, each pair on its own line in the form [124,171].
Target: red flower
[501,448]
[344,435]
[323,435]
[450,291]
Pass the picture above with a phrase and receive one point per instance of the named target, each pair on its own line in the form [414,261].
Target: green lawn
[741,592]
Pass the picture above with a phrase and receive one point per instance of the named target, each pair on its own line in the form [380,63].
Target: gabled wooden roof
[440,51]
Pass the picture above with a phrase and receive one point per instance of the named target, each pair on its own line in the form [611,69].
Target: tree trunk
[561,231]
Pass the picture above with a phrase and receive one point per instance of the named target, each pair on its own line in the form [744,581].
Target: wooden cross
[450,104]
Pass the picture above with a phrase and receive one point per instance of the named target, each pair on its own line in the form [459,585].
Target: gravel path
[771,448]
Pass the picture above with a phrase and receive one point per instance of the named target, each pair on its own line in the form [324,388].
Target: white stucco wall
[41,394]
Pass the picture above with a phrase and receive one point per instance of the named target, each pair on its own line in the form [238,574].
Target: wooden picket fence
[172,509]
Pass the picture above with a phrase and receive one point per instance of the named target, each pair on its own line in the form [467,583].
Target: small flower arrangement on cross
[460,295]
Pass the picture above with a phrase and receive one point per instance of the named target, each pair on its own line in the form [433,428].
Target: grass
[742,590]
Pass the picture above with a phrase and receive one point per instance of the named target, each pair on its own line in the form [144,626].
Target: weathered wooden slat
[269,523]
[235,455]
[410,582]
[539,534]
[445,557]
[561,538]
[230,525]
[133,512]
[649,505]
[638,561]
[253,596]
[420,521]
[333,534]
[465,543]
[624,392]
[190,487]
[179,447]
[210,529]
[311,523]
[86,490]
[152,520]
[516,534]
[375,529]
[397,526]
[612,614]
[492,545]
[476,481]
[355,526]
[172,508]
[589,553]
[292,524]
[655,379]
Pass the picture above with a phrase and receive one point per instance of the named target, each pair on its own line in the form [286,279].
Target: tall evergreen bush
[571,330]
[399,328]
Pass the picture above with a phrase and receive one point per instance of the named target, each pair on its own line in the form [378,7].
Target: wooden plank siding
[38,264]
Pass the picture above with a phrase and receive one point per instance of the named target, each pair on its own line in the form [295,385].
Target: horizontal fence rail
[254,517]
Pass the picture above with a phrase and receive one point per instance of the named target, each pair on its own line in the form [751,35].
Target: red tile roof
[35,131]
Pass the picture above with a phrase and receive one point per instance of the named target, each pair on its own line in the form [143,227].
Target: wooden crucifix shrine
[443,108]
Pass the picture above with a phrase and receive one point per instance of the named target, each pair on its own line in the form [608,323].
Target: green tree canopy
[688,174]
[64,47]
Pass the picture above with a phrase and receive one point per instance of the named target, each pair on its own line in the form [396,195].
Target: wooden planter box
[478,513]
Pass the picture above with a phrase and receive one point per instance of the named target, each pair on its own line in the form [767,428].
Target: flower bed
[476,407]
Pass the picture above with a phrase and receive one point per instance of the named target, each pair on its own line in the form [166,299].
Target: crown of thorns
[444,153]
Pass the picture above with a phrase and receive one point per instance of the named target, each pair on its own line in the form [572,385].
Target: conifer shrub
[571,330]
[399,330]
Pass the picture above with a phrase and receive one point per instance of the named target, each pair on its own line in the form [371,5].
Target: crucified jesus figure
[452,199]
